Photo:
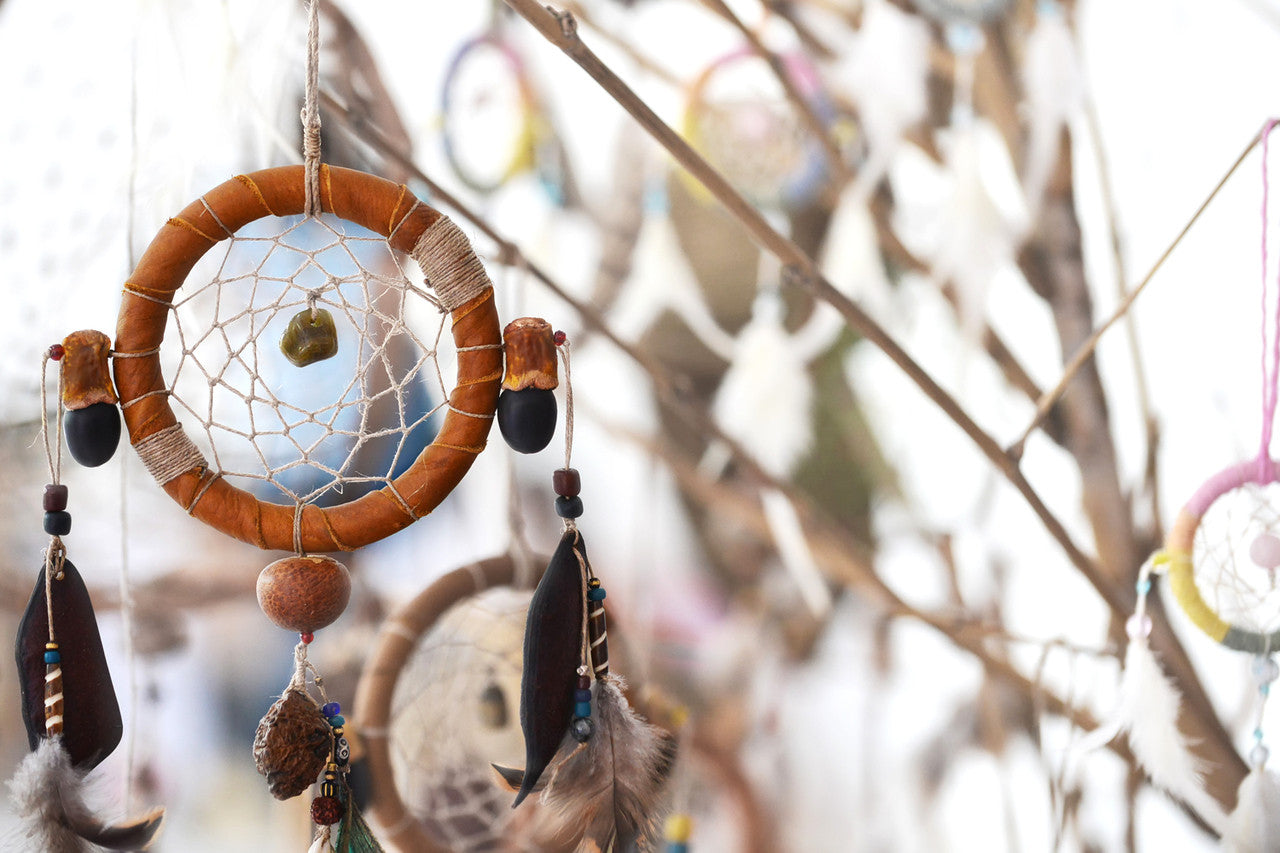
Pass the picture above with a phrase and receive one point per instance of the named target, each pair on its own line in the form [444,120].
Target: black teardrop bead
[527,418]
[92,433]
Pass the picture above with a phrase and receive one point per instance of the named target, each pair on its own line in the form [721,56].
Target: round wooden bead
[55,498]
[57,523]
[304,594]
[326,811]
[566,482]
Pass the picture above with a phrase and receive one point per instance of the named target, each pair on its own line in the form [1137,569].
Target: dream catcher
[69,705]
[306,363]
[437,704]
[594,761]
[1221,557]
[739,120]
[494,126]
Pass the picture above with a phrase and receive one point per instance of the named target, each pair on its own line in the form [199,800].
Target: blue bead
[53,656]
[582,709]
[677,847]
[569,507]
[57,523]
[1144,586]
[582,695]
[330,709]
[596,594]
[1257,734]
[337,720]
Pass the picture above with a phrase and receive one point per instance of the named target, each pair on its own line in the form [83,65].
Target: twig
[560,31]
[1085,351]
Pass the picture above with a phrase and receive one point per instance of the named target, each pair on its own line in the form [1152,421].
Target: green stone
[311,337]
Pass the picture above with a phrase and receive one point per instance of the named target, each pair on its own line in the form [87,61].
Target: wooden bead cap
[531,355]
[86,378]
[304,594]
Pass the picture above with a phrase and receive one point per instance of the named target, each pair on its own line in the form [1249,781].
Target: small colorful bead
[566,482]
[584,682]
[53,656]
[596,594]
[57,523]
[55,497]
[1138,626]
[559,337]
[581,695]
[582,729]
[337,721]
[56,352]
[569,507]
[329,709]
[582,709]
[678,828]
[342,751]
[306,636]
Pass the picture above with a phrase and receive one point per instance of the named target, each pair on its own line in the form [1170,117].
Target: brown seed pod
[531,355]
[304,594]
[292,744]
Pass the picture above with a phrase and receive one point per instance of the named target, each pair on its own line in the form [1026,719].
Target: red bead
[56,352]
[326,811]
[307,636]
[566,482]
[55,498]
[559,337]
[584,682]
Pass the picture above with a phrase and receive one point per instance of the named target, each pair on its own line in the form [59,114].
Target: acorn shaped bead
[92,421]
[527,406]
[304,594]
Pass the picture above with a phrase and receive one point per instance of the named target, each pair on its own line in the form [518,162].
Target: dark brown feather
[92,726]
[552,652]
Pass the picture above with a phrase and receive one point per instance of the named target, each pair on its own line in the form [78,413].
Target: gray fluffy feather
[612,785]
[47,795]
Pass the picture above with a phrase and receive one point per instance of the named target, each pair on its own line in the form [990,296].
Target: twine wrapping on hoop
[449,264]
[169,453]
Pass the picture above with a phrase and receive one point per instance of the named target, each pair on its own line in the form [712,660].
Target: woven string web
[1237,588]
[331,430]
[454,711]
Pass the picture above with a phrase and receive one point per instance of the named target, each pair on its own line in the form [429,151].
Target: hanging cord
[56,554]
[1270,355]
[311,112]
[568,403]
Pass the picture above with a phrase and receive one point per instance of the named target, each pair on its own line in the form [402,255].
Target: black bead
[569,507]
[527,418]
[57,523]
[92,433]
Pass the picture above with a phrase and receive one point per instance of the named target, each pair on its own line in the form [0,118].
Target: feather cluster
[611,786]
[1148,713]
[48,796]
[1254,827]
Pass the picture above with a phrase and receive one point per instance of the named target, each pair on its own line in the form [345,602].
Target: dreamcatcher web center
[1232,569]
[349,421]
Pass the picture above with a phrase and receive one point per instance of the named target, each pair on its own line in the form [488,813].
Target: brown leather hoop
[380,206]
[396,642]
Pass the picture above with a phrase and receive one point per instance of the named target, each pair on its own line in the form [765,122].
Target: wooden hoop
[380,206]
[396,642]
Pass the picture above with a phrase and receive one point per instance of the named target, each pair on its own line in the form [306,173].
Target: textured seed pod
[304,594]
[291,745]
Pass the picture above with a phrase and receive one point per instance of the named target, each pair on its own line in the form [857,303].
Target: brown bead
[584,682]
[55,498]
[304,594]
[566,482]
[326,811]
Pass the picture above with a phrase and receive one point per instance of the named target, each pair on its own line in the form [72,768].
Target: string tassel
[48,797]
